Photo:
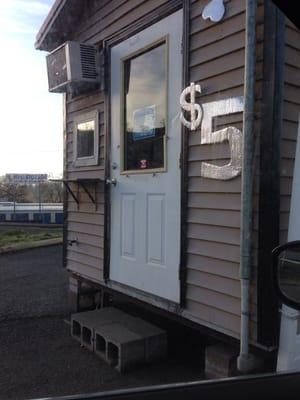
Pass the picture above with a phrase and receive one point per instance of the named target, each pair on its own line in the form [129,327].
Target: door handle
[111,181]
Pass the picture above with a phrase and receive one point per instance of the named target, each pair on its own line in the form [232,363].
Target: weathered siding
[86,220]
[217,53]
[109,17]
[86,225]
[291,110]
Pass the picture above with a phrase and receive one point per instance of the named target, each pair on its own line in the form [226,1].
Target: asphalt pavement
[37,354]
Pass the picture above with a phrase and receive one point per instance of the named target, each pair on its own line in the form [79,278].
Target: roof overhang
[65,14]
[59,24]
[290,10]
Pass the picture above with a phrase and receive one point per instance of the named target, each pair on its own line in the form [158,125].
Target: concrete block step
[119,338]
[120,347]
[82,323]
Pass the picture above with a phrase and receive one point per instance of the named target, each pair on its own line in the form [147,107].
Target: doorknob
[112,181]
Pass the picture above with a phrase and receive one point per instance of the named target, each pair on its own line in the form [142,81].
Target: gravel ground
[38,356]
[42,360]
[33,284]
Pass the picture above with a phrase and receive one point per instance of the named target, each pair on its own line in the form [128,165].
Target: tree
[12,192]
[51,192]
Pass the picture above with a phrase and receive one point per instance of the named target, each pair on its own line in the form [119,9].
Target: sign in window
[145,110]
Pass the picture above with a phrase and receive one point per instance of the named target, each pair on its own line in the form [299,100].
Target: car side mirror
[286,273]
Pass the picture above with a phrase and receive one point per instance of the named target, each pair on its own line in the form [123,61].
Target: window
[145,110]
[86,139]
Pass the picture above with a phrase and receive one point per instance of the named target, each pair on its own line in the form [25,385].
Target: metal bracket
[83,183]
[93,199]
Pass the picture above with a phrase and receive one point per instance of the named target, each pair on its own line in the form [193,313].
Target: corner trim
[65,191]
[269,186]
[184,156]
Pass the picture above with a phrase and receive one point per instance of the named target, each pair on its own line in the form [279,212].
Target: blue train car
[44,213]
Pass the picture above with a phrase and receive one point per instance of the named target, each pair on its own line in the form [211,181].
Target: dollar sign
[191,107]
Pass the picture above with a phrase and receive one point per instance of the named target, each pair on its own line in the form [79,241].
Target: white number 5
[230,134]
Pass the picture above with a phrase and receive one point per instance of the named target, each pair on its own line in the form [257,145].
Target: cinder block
[118,338]
[155,338]
[76,329]
[83,323]
[220,361]
[100,345]
[87,337]
[156,341]
[76,326]
[80,327]
[121,347]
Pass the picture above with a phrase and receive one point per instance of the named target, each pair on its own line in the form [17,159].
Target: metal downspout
[245,360]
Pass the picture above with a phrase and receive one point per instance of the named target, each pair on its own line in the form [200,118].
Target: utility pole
[40,207]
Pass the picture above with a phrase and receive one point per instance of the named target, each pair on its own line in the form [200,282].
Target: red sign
[143,164]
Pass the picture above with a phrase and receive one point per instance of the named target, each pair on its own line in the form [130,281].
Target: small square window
[86,139]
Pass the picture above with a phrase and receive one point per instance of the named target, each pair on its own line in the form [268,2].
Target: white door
[146,72]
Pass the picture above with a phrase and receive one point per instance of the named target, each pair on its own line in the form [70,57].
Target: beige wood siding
[86,220]
[109,17]
[291,110]
[217,54]
[213,294]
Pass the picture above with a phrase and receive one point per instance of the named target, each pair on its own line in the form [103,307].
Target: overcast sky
[31,117]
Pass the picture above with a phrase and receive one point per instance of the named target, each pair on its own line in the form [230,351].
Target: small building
[179,141]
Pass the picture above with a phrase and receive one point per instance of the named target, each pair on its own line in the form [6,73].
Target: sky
[31,128]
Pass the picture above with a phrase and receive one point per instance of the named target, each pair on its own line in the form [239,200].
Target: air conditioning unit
[73,68]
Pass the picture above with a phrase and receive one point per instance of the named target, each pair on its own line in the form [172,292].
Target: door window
[145,110]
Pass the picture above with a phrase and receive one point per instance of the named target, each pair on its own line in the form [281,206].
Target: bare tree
[57,188]
[51,192]
[12,192]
